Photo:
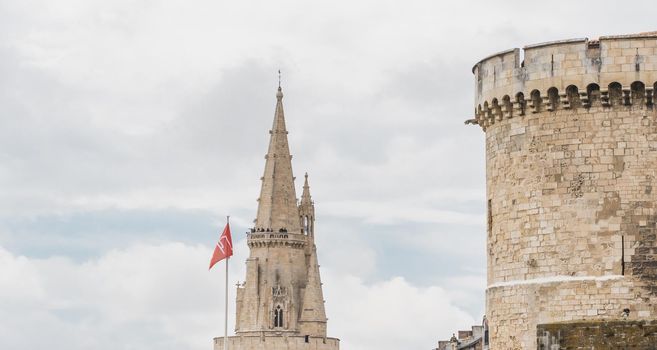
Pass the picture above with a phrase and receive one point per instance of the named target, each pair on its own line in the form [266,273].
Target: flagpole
[226,300]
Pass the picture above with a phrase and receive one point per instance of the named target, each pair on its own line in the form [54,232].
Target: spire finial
[305,183]
[279,93]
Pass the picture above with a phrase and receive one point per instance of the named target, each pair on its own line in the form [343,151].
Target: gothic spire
[277,205]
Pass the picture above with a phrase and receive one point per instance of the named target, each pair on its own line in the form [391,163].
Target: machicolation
[567,74]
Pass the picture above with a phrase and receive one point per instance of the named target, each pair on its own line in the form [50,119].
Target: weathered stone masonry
[571,161]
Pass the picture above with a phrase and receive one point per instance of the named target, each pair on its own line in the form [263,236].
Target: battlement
[578,73]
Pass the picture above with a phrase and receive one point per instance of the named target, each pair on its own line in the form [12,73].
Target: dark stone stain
[598,335]
[619,164]
[643,263]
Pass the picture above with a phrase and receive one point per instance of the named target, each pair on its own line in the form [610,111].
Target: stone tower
[280,305]
[571,166]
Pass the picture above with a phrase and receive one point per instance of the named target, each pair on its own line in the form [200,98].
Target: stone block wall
[290,342]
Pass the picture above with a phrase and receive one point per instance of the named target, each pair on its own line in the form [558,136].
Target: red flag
[224,248]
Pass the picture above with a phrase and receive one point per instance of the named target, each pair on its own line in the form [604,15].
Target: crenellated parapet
[612,72]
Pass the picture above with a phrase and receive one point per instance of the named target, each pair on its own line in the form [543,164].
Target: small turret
[307,210]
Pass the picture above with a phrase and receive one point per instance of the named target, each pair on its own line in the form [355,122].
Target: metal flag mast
[226,298]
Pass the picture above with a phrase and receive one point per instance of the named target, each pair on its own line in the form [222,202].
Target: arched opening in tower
[278,317]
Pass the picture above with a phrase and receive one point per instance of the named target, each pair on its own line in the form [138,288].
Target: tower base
[603,335]
[277,342]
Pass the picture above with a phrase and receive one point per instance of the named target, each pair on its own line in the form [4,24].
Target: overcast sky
[130,128]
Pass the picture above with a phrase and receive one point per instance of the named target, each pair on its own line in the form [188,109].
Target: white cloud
[391,314]
[392,212]
[162,297]
[146,297]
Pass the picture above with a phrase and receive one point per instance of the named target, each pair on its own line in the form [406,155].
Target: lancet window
[278,317]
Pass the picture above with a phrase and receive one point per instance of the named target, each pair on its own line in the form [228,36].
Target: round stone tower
[571,166]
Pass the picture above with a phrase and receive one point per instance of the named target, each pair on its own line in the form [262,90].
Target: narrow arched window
[522,104]
[593,91]
[536,101]
[638,93]
[496,109]
[278,317]
[507,107]
[553,97]
[572,93]
[616,94]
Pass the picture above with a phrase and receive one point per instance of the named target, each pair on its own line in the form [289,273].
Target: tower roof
[277,205]
[306,199]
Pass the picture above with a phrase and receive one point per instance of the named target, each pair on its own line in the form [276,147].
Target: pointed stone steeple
[280,305]
[307,210]
[277,205]
[313,315]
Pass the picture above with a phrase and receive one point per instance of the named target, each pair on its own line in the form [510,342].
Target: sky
[129,129]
